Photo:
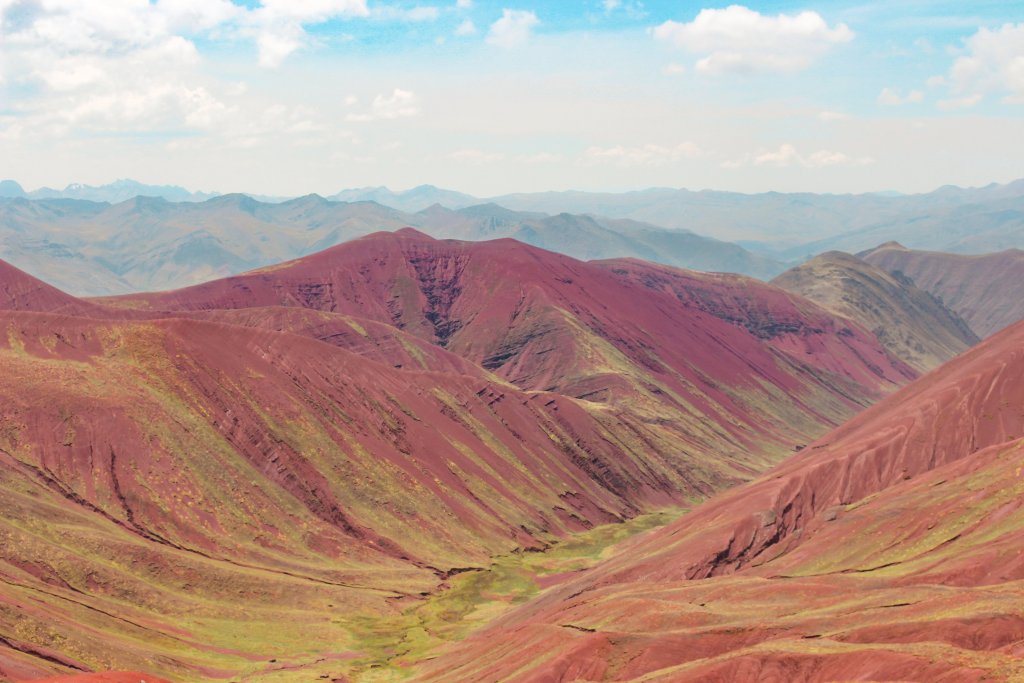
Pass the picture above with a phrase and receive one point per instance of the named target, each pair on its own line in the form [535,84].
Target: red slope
[207,450]
[975,286]
[842,544]
[19,291]
[108,677]
[468,297]
[596,331]
[252,447]
[789,323]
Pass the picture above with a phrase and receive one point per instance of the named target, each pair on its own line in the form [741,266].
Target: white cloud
[787,155]
[541,158]
[673,69]
[960,102]
[739,40]
[198,15]
[892,98]
[631,8]
[513,28]
[278,24]
[466,28]
[130,67]
[398,105]
[277,43]
[463,4]
[419,13]
[59,28]
[829,116]
[644,155]
[992,62]
[313,11]
[475,156]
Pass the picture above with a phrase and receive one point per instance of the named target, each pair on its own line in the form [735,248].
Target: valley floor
[389,647]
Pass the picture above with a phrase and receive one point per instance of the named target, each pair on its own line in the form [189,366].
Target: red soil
[19,291]
[979,288]
[350,427]
[730,347]
[887,550]
[107,677]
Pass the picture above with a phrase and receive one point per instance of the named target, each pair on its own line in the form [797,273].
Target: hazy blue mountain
[117,191]
[416,199]
[784,226]
[799,225]
[150,243]
[10,188]
[155,241]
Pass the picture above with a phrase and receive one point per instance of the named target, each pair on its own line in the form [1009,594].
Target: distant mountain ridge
[752,234]
[150,243]
[888,550]
[117,191]
[275,466]
[983,289]
[911,323]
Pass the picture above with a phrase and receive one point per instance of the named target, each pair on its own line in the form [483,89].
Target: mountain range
[782,227]
[455,452]
[889,549]
[979,288]
[912,324]
[283,475]
[147,243]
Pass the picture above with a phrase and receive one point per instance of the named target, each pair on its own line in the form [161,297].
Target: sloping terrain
[149,243]
[588,237]
[910,323]
[269,474]
[754,362]
[978,288]
[259,477]
[890,549]
[19,291]
[798,225]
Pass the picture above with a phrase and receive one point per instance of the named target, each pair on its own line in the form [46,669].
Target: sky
[289,97]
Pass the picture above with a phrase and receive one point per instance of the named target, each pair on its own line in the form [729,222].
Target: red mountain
[19,291]
[887,550]
[258,475]
[977,288]
[726,349]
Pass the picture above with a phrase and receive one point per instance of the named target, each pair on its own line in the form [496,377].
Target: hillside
[149,243]
[19,291]
[887,550]
[975,287]
[912,324]
[797,225]
[547,322]
[265,476]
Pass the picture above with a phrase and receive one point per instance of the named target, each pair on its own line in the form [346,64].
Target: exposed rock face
[899,533]
[911,323]
[983,290]
[347,431]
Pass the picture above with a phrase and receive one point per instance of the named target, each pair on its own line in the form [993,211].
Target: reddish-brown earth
[106,677]
[19,291]
[890,549]
[978,288]
[910,323]
[244,478]
[726,349]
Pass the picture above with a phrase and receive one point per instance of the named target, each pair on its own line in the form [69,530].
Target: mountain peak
[412,233]
[911,324]
[11,188]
